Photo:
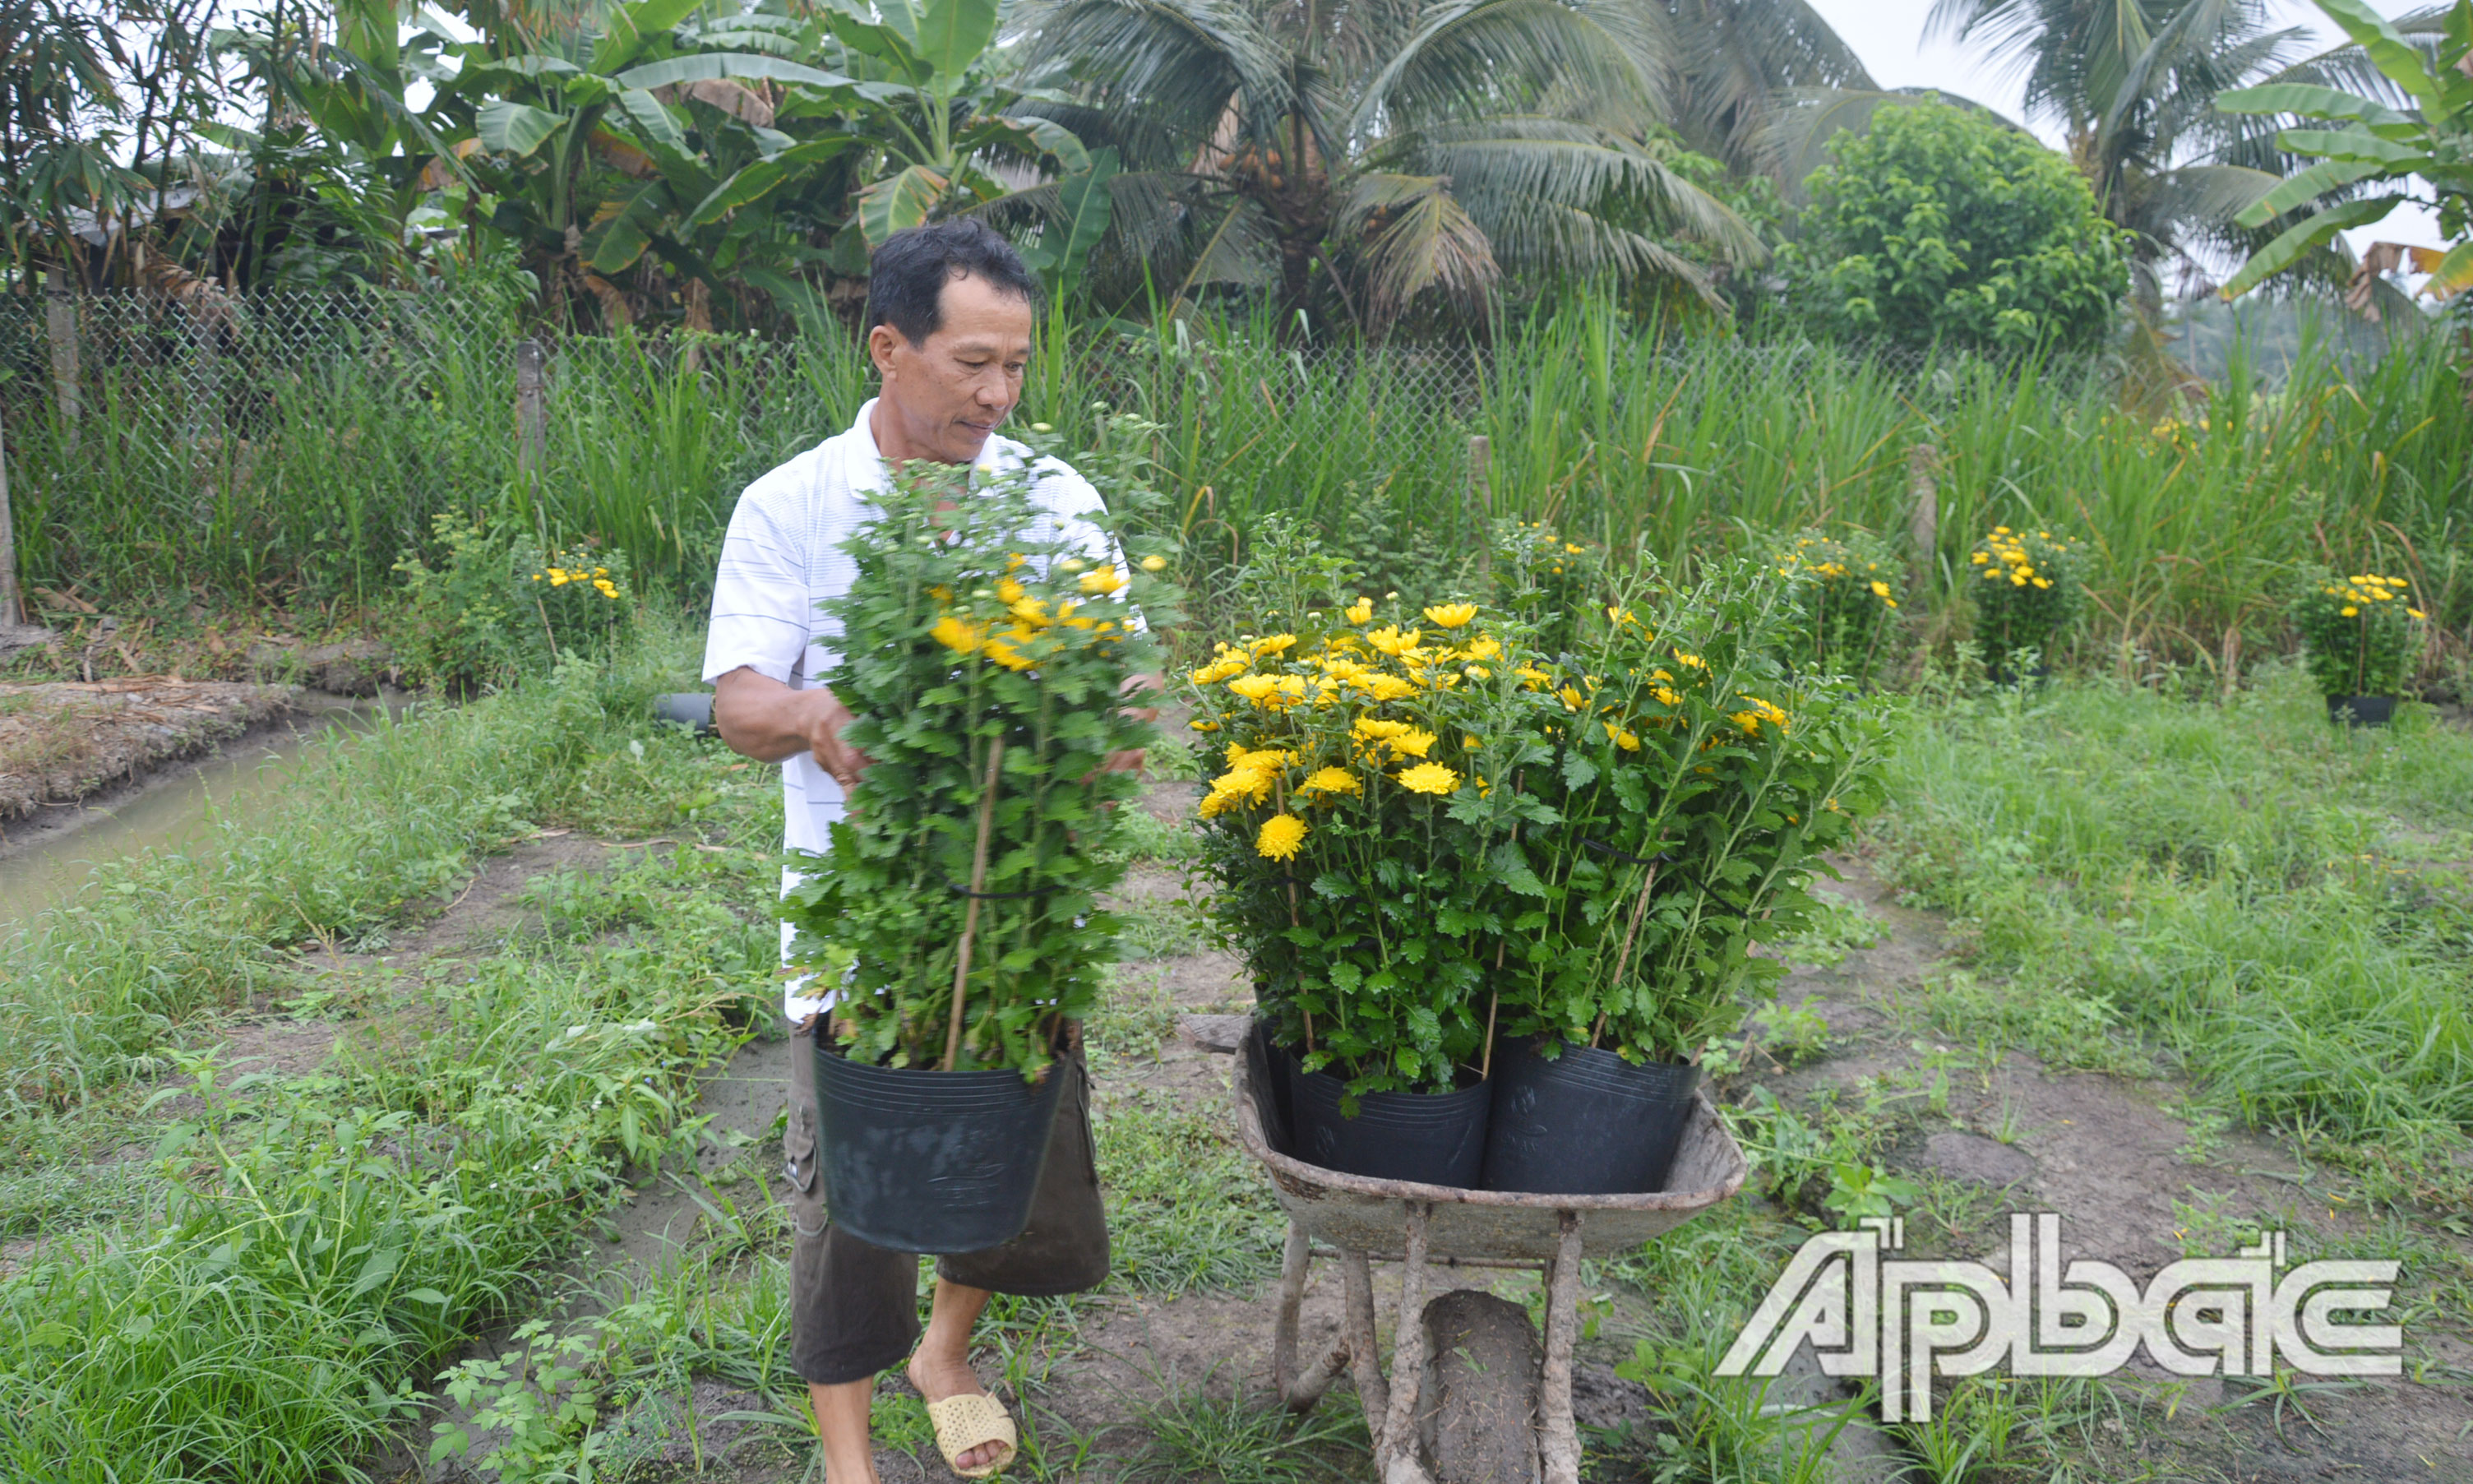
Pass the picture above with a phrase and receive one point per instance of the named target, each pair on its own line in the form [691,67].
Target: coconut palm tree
[2133,83]
[1398,147]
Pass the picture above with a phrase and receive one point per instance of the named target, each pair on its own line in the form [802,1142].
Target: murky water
[171,813]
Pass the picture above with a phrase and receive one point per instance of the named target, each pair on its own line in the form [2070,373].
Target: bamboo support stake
[1640,909]
[970,913]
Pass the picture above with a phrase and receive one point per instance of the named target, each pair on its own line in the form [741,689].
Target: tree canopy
[1939,224]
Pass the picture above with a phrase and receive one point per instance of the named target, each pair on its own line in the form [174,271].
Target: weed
[1247,1439]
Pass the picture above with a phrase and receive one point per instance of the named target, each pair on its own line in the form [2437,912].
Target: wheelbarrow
[1362,1221]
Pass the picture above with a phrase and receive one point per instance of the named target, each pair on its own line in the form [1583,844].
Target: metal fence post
[60,325]
[530,411]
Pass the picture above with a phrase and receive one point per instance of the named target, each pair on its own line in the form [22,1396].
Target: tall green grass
[312,487]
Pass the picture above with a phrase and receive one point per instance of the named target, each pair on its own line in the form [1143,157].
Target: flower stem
[978,884]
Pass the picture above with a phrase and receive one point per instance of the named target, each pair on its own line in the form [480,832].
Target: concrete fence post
[531,407]
[1923,489]
[1480,498]
[61,328]
[12,609]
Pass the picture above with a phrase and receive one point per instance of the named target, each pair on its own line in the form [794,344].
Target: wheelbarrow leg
[1558,1435]
[1395,1445]
[1358,1335]
[1299,1393]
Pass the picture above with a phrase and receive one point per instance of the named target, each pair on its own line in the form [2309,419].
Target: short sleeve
[759,591]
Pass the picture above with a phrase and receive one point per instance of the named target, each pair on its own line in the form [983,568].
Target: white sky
[1889,35]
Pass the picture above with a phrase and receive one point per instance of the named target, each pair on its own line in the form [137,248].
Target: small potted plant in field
[1355,841]
[1693,782]
[958,902]
[2360,637]
[2030,589]
[1845,593]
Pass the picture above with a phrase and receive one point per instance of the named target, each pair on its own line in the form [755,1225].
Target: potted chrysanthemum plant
[2360,637]
[1357,842]
[2030,589]
[1694,782]
[959,904]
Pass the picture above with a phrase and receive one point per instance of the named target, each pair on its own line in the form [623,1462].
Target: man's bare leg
[940,1366]
[841,1421]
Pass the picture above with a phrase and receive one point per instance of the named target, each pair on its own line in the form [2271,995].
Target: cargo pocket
[798,1163]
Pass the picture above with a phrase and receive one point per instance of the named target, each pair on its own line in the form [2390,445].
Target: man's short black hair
[907,279]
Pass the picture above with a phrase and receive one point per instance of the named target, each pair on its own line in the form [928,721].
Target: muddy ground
[64,741]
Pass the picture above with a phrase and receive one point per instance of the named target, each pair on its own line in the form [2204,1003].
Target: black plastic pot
[2361,710]
[690,708]
[1268,1070]
[928,1160]
[1435,1139]
[1586,1123]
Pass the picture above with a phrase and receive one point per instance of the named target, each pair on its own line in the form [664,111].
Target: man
[949,320]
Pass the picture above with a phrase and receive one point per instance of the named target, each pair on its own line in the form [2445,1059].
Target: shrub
[1941,225]
[2362,635]
[984,666]
[498,609]
[1845,596]
[2030,592]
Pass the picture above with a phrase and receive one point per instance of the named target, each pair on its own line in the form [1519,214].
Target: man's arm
[759,717]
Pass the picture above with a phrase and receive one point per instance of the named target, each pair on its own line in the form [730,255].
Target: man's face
[948,394]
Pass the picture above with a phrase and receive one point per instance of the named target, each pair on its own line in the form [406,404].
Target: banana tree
[2383,149]
[638,131]
[945,130]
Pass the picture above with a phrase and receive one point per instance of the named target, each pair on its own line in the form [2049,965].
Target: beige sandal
[972,1420]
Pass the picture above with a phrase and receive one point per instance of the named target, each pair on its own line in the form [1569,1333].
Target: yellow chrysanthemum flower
[604,586]
[1256,688]
[1373,728]
[1281,836]
[1452,615]
[1000,648]
[1485,646]
[1331,780]
[1275,644]
[1880,589]
[1412,744]
[1392,640]
[1429,777]
[1387,687]
[1100,581]
[957,634]
[1692,660]
[1009,591]
[2349,610]
[1362,612]
[1155,563]
[1622,737]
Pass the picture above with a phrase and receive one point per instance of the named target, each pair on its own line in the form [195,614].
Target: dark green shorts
[855,1308]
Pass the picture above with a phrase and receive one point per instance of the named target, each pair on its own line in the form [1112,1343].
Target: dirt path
[2139,1184]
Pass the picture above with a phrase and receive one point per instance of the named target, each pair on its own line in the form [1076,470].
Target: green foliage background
[1943,225]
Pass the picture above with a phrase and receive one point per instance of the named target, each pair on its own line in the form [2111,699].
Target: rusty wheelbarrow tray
[1365,1221]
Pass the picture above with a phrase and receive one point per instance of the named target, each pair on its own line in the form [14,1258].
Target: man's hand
[762,718]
